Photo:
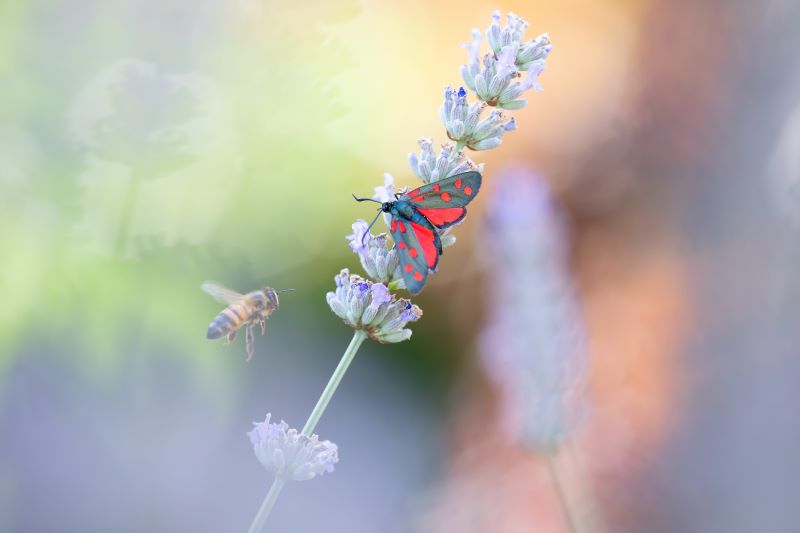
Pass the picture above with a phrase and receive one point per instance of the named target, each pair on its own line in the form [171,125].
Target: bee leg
[250,341]
[231,336]
[263,326]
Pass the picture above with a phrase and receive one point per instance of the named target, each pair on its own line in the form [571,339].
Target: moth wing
[449,193]
[220,293]
[416,256]
[443,217]
[427,239]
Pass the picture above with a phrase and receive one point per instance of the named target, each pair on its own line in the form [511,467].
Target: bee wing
[220,293]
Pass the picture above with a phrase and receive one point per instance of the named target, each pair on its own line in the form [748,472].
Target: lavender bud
[380,262]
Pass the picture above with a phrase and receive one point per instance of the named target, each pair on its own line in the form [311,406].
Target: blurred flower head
[290,455]
[534,344]
[370,306]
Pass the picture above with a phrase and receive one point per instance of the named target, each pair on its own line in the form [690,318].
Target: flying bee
[244,310]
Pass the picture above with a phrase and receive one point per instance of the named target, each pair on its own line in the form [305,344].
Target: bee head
[271,296]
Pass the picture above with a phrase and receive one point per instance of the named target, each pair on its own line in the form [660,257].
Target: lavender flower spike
[494,81]
[368,306]
[290,455]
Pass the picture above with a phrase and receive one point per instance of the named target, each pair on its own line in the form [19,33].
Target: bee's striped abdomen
[230,319]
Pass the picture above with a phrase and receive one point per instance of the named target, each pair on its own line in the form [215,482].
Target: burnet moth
[417,217]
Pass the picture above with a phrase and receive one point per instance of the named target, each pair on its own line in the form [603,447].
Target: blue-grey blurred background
[148,146]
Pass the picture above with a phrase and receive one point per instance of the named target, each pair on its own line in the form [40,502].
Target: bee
[244,310]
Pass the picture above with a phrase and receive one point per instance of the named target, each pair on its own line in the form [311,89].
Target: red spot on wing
[402,227]
[409,268]
[446,196]
[426,242]
[436,187]
[442,216]
[401,245]
[468,190]
[414,192]
[413,252]
[418,276]
[458,183]
[394,225]
[418,198]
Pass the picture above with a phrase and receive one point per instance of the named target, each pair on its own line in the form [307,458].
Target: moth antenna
[365,199]
[370,226]
[285,290]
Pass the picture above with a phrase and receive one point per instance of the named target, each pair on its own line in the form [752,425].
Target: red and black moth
[417,217]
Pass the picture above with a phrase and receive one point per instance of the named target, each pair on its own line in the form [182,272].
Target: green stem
[313,419]
[266,506]
[584,488]
[333,383]
[577,500]
[459,146]
[566,495]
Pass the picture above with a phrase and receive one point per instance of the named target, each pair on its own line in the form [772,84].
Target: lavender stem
[266,505]
[277,485]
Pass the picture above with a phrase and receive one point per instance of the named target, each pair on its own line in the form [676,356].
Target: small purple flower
[341,279]
[410,313]
[358,239]
[505,62]
[386,192]
[531,81]
[474,46]
[380,294]
[361,288]
[290,455]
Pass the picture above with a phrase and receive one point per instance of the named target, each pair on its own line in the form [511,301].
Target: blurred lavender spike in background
[533,346]
[290,455]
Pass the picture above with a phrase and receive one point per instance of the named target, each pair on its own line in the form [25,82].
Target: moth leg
[263,323]
[250,341]
[231,336]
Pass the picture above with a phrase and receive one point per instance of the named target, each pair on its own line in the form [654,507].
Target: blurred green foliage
[145,150]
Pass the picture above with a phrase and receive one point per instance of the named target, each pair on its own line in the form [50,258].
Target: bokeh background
[148,146]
